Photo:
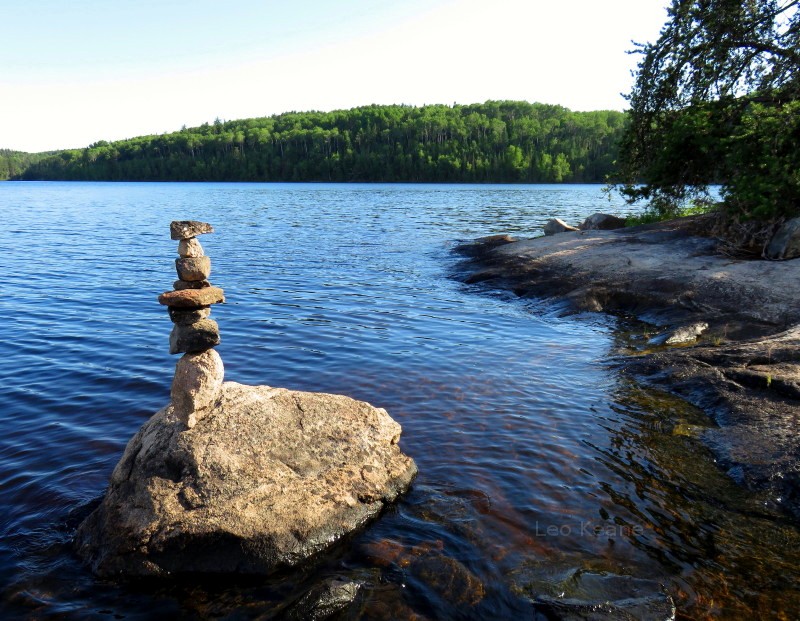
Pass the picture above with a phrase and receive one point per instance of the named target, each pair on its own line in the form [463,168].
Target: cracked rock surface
[269,478]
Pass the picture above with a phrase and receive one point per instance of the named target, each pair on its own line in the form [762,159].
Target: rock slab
[667,274]
[785,243]
[192,298]
[269,479]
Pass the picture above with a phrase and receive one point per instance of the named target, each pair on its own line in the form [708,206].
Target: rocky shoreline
[744,371]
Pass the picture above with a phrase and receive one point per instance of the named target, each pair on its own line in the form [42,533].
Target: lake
[543,472]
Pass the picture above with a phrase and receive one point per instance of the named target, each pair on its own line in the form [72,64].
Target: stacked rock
[199,372]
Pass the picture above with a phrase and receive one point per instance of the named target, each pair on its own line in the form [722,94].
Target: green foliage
[14,163]
[498,141]
[650,216]
[715,101]
[763,156]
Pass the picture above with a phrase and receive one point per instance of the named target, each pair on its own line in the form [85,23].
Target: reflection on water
[543,474]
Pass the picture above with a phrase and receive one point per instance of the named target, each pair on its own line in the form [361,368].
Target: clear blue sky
[74,72]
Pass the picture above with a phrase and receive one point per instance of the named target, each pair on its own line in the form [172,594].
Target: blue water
[528,443]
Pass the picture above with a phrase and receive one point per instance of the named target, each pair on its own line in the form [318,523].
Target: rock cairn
[238,479]
[199,372]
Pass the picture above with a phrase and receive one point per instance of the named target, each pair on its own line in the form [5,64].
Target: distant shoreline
[494,141]
[464,183]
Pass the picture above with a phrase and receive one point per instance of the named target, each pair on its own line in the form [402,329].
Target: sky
[73,73]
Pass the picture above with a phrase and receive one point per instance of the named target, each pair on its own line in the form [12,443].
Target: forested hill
[14,163]
[503,141]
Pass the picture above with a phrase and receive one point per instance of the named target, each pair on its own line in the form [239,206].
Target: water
[542,471]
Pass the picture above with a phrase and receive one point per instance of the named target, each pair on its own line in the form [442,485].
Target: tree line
[13,164]
[497,141]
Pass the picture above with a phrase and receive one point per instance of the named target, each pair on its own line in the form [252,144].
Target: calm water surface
[543,473]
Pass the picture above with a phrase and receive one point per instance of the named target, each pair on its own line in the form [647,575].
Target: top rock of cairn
[186,229]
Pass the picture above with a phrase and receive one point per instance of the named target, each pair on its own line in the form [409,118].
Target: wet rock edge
[747,381]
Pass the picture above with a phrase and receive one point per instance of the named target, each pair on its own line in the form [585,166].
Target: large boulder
[268,478]
[785,243]
[602,222]
[556,225]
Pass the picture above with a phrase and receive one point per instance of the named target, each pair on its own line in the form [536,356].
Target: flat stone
[180,285]
[785,243]
[189,298]
[681,335]
[196,385]
[195,269]
[194,337]
[188,315]
[268,479]
[190,248]
[186,229]
[555,225]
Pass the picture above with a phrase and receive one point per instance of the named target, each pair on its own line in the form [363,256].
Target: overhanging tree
[716,100]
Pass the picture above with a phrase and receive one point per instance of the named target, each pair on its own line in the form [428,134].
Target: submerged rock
[574,594]
[450,579]
[555,225]
[649,608]
[269,478]
[785,243]
[752,389]
[324,600]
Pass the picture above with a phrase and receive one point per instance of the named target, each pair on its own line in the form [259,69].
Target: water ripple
[507,407]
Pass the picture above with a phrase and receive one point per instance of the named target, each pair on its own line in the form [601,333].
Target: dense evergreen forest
[498,141]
